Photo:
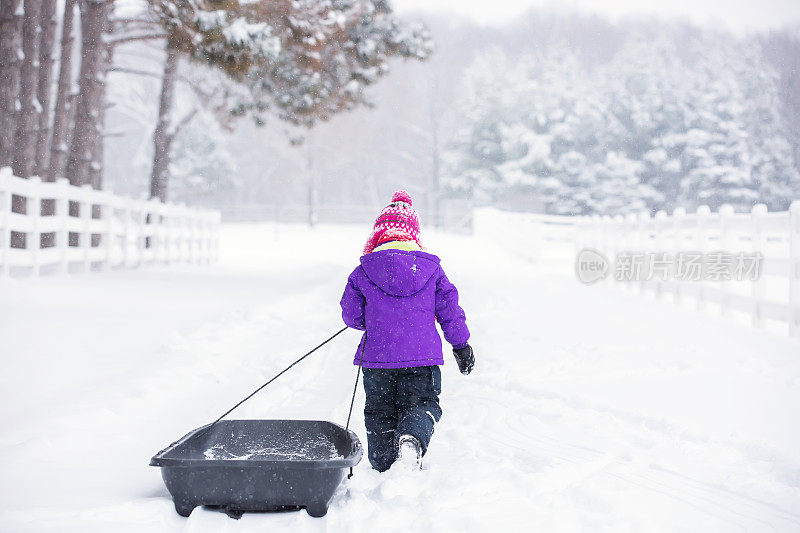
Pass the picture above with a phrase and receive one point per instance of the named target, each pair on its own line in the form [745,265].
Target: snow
[210,20]
[296,447]
[590,408]
[257,36]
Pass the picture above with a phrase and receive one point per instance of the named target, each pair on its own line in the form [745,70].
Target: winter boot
[409,452]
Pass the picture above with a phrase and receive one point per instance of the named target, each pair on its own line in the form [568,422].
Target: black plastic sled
[258,465]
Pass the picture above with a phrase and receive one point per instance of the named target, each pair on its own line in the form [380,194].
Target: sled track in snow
[729,506]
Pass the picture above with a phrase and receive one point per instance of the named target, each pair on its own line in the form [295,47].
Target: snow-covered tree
[560,121]
[645,91]
[202,162]
[539,131]
[735,147]
[308,59]
[651,129]
[477,149]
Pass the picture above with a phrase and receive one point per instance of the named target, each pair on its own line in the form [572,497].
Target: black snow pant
[400,401]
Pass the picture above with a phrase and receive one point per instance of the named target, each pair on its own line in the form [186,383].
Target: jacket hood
[400,272]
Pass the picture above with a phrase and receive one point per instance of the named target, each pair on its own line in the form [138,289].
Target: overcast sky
[739,15]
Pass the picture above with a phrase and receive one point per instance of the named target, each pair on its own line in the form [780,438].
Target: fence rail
[80,227]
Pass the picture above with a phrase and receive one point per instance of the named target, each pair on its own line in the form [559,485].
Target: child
[396,295]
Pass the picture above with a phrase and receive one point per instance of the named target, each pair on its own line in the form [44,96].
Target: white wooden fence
[96,229]
[535,237]
[774,295]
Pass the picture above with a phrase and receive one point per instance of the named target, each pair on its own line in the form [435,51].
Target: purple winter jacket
[397,296]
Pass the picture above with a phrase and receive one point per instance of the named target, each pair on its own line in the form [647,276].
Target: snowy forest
[668,120]
[262,107]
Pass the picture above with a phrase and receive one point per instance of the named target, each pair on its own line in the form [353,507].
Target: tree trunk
[162,137]
[313,193]
[28,118]
[435,192]
[10,35]
[48,25]
[62,114]
[88,107]
[96,166]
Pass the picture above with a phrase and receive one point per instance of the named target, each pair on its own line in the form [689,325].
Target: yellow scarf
[408,246]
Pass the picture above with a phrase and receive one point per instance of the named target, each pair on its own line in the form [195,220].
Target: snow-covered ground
[591,408]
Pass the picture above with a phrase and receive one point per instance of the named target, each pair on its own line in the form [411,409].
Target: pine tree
[307,59]
[735,149]
[471,163]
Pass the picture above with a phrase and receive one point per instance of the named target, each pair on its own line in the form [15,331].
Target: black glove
[465,359]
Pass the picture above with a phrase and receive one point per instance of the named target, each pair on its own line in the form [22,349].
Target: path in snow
[590,408]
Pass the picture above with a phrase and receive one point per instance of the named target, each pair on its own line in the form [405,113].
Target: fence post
[193,223]
[154,210]
[85,239]
[794,269]
[209,238]
[141,238]
[206,237]
[175,230]
[33,243]
[199,224]
[61,240]
[725,239]
[607,241]
[126,231]
[659,224]
[162,232]
[630,240]
[5,209]
[678,217]
[643,221]
[217,216]
[701,240]
[757,287]
[107,240]
[182,231]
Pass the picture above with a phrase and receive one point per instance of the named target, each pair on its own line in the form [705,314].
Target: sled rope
[355,388]
[320,345]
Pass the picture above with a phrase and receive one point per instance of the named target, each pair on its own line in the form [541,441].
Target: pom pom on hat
[402,196]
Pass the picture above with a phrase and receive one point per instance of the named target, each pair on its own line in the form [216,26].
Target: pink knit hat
[397,222]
